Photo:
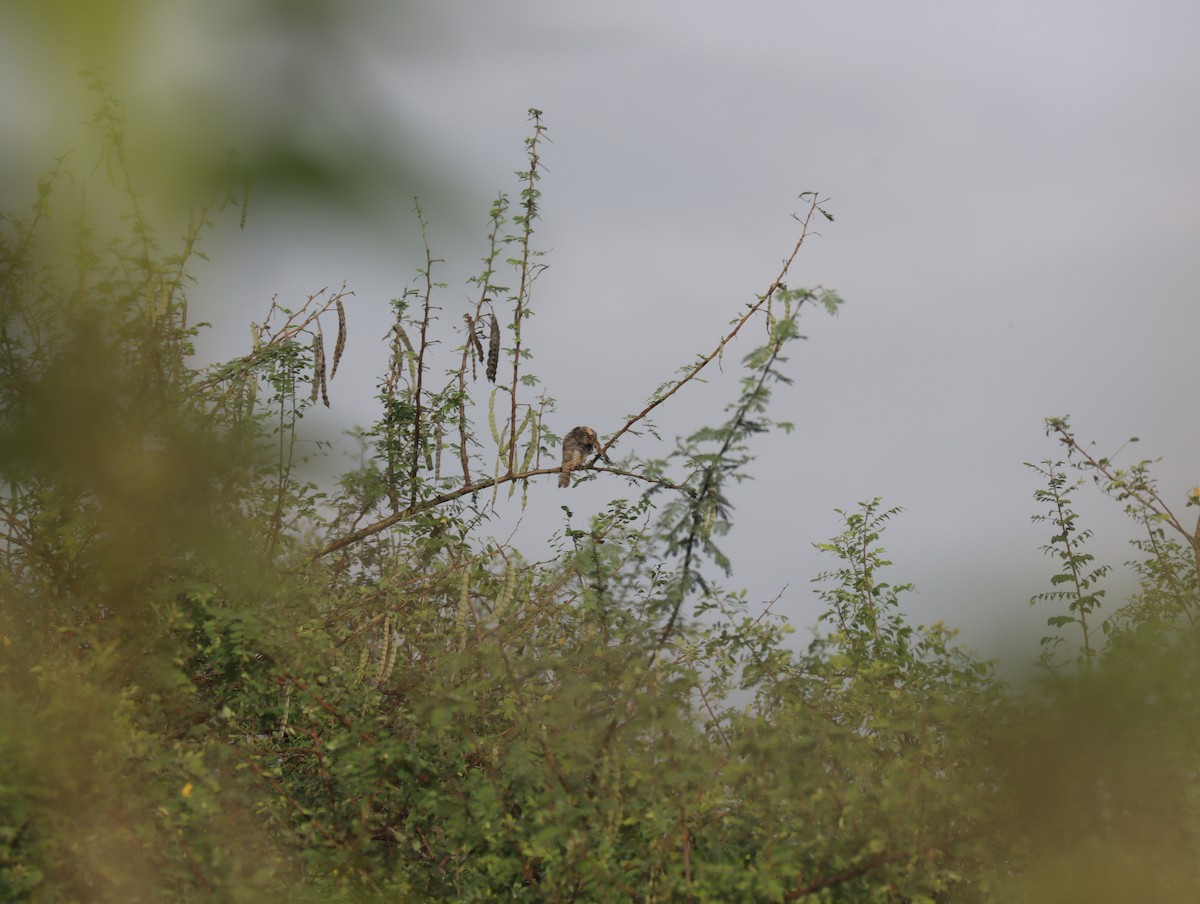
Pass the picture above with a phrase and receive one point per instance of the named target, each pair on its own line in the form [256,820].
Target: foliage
[1078,573]
[221,681]
[1108,762]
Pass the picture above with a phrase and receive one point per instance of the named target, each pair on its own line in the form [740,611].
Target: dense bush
[220,681]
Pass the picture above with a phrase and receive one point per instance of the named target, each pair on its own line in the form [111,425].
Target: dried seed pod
[408,346]
[463,616]
[387,653]
[319,367]
[340,345]
[493,357]
[318,377]
[477,342]
[473,339]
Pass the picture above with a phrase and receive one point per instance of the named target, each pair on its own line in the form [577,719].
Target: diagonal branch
[762,302]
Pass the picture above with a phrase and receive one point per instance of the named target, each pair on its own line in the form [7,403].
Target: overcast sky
[1015,187]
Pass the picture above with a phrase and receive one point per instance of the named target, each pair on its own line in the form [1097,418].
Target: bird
[576,444]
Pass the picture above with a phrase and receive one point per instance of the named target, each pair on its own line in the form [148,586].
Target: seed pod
[318,378]
[477,344]
[506,589]
[340,345]
[493,357]
[473,339]
[403,340]
[464,608]
[364,659]
[319,367]
[387,653]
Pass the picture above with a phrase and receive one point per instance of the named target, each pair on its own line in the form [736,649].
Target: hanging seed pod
[318,378]
[387,653]
[477,343]
[402,340]
[319,349]
[493,357]
[532,447]
[506,589]
[364,659]
[473,339]
[340,345]
[389,664]
[464,608]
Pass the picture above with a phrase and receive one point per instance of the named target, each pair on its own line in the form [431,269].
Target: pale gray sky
[1016,192]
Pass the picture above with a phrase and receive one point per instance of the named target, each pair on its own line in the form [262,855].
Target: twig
[763,300]
[708,486]
[417,400]
[530,204]
[1145,496]
[384,523]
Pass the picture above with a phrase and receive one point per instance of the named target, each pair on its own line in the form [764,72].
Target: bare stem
[762,302]
[529,203]
[418,401]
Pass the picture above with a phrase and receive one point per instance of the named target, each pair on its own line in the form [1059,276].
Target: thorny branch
[418,401]
[426,504]
[529,202]
[762,302]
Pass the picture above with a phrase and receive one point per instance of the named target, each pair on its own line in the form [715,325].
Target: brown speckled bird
[575,446]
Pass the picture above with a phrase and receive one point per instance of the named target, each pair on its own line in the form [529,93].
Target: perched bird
[576,445]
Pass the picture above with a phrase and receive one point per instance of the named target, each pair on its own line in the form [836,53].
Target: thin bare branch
[418,401]
[762,302]
[529,203]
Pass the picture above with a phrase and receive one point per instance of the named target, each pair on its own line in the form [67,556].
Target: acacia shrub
[221,681]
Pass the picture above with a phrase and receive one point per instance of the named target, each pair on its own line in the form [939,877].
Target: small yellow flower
[187,789]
